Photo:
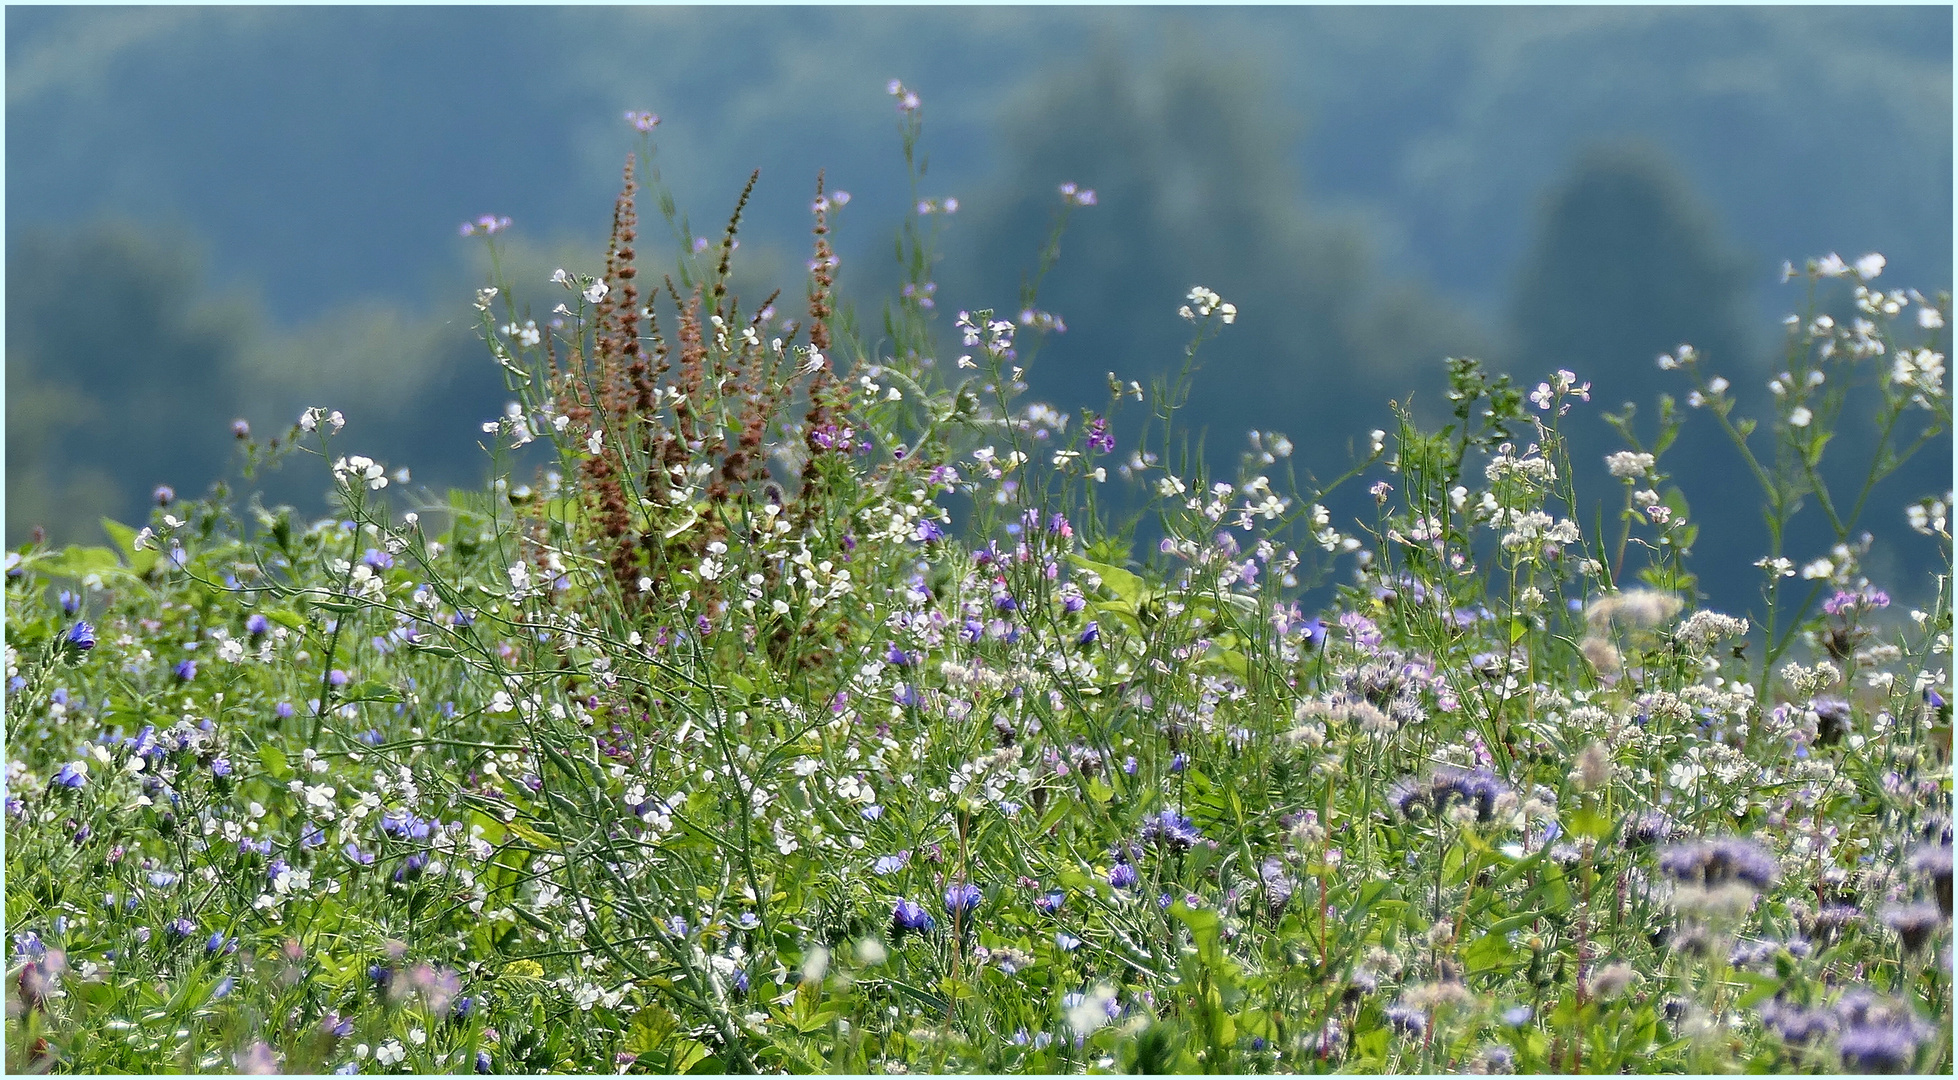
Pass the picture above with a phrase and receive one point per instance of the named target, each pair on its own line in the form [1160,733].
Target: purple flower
[337,678]
[1091,634]
[219,945]
[961,898]
[1050,903]
[411,867]
[1122,876]
[284,710]
[70,603]
[1915,924]
[357,856]
[1934,861]
[1313,632]
[1172,830]
[81,637]
[1099,440]
[482,1061]
[377,559]
[909,916]
[641,122]
[72,775]
[891,864]
[1410,1023]
[186,670]
[1712,863]
[164,495]
[1889,1047]
[1446,786]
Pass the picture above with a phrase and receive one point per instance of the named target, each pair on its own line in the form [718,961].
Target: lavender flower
[1915,924]
[186,670]
[1713,863]
[1934,861]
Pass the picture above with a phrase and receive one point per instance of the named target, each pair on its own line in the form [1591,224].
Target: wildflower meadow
[801,697]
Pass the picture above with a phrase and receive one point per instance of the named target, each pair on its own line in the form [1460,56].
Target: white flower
[559,277]
[1820,569]
[1869,266]
[1800,417]
[1930,318]
[596,291]
[594,441]
[390,1053]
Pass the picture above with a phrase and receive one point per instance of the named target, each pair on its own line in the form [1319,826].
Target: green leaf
[125,539]
[531,836]
[274,760]
[370,691]
[1121,582]
[75,561]
[1588,821]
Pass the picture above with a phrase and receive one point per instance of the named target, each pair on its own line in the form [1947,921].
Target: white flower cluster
[1702,628]
[1208,303]
[1626,465]
[358,469]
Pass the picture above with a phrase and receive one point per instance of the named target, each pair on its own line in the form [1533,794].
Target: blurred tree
[115,354]
[1190,154]
[1627,264]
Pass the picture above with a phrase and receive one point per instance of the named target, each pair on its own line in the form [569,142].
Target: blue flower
[284,710]
[912,917]
[1051,902]
[1066,941]
[1122,876]
[72,775]
[962,897]
[891,864]
[186,670]
[257,625]
[81,637]
[70,603]
[1314,632]
[482,1061]
[1172,830]
[1090,635]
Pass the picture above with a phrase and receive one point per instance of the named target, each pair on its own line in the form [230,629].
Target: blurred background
[238,212]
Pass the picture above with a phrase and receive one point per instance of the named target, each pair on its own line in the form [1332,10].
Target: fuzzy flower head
[642,122]
[1172,830]
[1478,790]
